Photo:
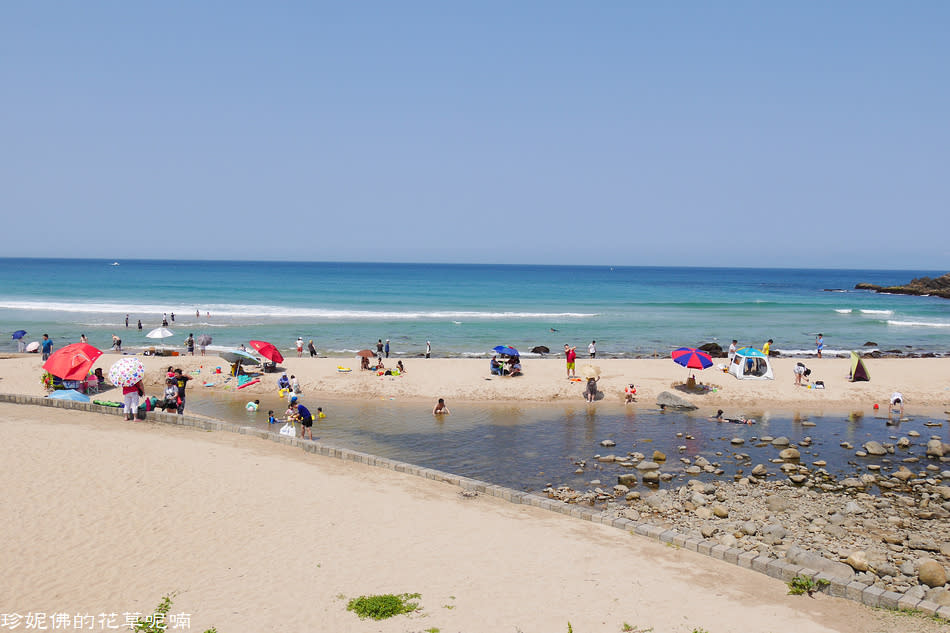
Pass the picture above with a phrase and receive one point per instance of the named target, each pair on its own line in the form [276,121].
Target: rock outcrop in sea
[938,287]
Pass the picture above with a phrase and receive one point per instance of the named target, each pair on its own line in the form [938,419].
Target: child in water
[270,417]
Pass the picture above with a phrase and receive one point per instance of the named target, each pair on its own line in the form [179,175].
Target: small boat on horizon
[115,263]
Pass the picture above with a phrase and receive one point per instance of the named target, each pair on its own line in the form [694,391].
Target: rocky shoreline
[921,286]
[897,540]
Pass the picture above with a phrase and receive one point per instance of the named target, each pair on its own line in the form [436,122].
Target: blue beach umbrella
[19,334]
[69,394]
[507,351]
[750,352]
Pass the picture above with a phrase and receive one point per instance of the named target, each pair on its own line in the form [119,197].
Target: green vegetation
[805,584]
[628,628]
[158,621]
[383,606]
[434,629]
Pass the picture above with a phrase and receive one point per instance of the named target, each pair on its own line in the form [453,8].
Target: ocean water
[465,310]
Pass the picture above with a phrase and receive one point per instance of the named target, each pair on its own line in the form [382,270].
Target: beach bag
[288,429]
[819,384]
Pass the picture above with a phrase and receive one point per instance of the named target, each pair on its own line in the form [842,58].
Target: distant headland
[938,287]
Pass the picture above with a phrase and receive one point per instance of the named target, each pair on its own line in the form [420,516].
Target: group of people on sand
[498,367]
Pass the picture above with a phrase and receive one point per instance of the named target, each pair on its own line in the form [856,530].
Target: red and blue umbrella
[506,350]
[692,358]
[19,334]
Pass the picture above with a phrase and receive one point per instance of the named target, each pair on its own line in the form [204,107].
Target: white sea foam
[843,310]
[886,312]
[244,311]
[917,323]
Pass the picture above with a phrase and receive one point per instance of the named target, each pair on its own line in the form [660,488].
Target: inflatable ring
[343,370]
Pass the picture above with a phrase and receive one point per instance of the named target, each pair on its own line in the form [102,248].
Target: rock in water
[874,448]
[790,454]
[659,456]
[673,401]
[935,448]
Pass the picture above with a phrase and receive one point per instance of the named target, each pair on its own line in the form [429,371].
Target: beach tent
[858,371]
[751,364]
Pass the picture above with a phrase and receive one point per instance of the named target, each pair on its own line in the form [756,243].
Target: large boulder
[798,556]
[668,400]
[931,573]
[713,349]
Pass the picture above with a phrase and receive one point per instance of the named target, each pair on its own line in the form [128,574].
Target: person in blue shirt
[270,417]
[283,382]
[47,346]
[305,418]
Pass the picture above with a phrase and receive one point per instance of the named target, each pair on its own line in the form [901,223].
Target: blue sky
[626,133]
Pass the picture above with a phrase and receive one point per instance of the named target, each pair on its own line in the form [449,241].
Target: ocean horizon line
[110,261]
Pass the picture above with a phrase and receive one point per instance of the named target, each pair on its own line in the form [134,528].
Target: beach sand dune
[103,515]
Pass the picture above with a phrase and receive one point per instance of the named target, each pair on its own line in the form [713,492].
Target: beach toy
[248,384]
[342,369]
[217,370]
[281,392]
[876,407]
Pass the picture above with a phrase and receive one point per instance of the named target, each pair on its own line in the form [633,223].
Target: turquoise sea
[465,310]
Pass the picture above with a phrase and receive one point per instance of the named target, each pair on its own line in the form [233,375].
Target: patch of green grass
[434,629]
[383,606]
[805,585]
[570,629]
[700,630]
[158,620]
[629,628]
[448,606]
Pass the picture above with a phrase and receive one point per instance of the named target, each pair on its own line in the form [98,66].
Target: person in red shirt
[570,353]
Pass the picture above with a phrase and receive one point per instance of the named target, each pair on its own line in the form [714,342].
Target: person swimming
[720,418]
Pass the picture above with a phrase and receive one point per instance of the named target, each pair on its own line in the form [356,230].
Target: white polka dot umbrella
[126,371]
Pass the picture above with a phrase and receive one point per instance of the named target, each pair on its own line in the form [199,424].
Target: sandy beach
[923,381]
[107,516]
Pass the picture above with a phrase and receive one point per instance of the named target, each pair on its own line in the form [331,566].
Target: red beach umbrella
[692,358]
[72,362]
[268,351]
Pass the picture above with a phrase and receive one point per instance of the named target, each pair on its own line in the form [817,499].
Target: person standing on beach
[116,343]
[130,397]
[172,315]
[311,349]
[592,349]
[428,349]
[140,324]
[820,343]
[82,338]
[305,417]
[767,347]
[164,320]
[47,346]
[126,320]
[386,348]
[570,354]
[190,344]
[379,348]
[197,314]
[299,347]
[732,351]
[181,381]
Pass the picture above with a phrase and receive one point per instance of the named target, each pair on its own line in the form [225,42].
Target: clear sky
[801,134]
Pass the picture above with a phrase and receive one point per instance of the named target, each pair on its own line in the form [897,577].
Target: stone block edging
[774,567]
